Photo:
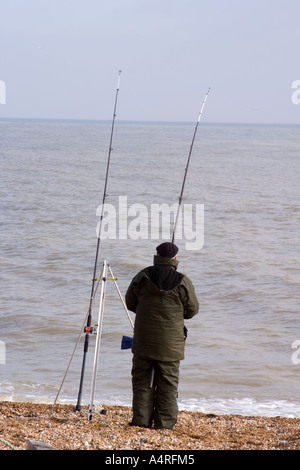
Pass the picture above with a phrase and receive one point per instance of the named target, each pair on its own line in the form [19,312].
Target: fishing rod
[127,340]
[88,329]
[187,164]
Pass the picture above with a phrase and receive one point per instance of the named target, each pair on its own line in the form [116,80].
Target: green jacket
[162,298]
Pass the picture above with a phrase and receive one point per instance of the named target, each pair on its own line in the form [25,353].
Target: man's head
[167,250]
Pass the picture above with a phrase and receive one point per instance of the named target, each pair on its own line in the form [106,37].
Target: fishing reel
[90,329]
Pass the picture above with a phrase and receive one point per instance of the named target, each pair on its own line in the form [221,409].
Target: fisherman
[162,298]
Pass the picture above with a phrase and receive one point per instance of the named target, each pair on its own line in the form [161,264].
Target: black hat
[167,250]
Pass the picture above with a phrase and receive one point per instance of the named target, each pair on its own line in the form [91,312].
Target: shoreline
[70,430]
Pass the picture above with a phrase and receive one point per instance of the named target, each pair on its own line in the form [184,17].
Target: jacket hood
[173,263]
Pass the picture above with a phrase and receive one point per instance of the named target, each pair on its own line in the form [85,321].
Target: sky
[60,59]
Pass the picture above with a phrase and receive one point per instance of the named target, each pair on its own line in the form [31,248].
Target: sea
[242,352]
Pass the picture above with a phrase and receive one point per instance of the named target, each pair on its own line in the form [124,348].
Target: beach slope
[70,430]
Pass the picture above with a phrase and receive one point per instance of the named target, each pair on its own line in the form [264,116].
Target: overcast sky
[60,59]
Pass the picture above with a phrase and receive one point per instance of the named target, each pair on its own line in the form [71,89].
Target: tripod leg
[152,377]
[98,340]
[120,295]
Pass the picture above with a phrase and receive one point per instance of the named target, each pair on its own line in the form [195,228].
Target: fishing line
[187,165]
[72,357]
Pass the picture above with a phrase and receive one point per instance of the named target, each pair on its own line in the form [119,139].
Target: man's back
[162,298]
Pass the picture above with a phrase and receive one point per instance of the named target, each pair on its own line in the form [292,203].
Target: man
[162,298]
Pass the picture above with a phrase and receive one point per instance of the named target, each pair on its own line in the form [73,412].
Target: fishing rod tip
[119,77]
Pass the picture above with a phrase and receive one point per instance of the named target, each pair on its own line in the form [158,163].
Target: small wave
[242,406]
[247,406]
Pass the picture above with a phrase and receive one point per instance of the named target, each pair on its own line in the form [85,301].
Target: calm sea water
[247,275]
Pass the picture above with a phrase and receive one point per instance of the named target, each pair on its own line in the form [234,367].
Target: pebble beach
[64,429]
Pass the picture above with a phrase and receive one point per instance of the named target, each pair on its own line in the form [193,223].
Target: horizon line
[142,121]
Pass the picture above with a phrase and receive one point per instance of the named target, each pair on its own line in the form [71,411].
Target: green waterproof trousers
[158,403]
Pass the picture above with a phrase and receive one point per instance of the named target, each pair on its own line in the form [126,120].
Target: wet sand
[70,430]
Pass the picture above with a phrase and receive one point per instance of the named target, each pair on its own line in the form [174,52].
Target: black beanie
[167,250]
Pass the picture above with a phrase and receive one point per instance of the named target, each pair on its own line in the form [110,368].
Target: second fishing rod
[127,340]
[187,166]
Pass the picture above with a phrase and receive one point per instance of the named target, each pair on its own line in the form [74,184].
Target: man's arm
[131,294]
[130,297]
[191,304]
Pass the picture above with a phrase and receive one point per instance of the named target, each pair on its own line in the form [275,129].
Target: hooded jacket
[162,298]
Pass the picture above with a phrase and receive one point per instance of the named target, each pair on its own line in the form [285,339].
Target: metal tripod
[106,271]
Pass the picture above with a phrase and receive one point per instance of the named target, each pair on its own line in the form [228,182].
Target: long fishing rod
[88,329]
[187,165]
